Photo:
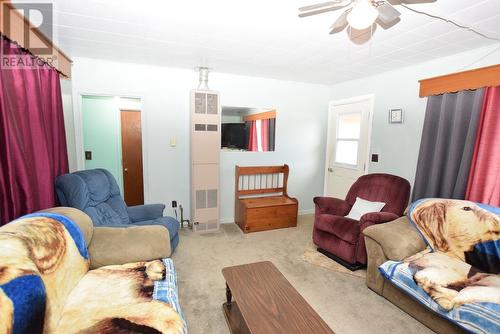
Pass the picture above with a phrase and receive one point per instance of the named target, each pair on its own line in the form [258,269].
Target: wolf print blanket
[464,263]
[46,285]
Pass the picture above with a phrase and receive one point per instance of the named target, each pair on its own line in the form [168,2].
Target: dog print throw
[42,259]
[46,286]
[119,299]
[461,229]
[464,261]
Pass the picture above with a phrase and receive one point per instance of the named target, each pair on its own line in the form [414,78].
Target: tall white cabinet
[205,159]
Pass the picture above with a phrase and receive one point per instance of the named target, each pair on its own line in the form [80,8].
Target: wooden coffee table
[265,302]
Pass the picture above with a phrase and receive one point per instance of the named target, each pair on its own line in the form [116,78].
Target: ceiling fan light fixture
[362,15]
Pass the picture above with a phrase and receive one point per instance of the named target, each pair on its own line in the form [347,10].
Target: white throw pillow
[362,206]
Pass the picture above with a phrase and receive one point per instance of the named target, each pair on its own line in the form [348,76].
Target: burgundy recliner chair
[341,238]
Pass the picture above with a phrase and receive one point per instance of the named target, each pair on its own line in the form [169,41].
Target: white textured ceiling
[264,37]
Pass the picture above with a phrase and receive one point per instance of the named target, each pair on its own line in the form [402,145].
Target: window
[347,141]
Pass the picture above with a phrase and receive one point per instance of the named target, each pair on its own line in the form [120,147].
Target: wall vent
[212,198]
[201,199]
[205,157]
[200,103]
[212,127]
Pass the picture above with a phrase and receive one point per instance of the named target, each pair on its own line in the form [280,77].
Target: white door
[348,145]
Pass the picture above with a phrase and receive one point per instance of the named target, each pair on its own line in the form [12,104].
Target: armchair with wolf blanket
[457,276]
[46,285]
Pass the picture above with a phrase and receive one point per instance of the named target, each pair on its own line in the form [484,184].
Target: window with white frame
[347,139]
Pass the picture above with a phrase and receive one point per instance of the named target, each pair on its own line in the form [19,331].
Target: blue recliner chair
[96,193]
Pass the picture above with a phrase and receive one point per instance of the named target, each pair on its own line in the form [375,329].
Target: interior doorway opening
[112,139]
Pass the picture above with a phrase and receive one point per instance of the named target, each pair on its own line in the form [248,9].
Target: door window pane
[347,152]
[349,126]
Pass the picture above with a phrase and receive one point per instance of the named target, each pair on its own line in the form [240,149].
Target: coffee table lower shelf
[234,319]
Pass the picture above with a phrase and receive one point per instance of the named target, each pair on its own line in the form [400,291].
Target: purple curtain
[447,144]
[32,138]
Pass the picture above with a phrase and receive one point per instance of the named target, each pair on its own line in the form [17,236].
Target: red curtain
[252,137]
[33,143]
[264,134]
[484,177]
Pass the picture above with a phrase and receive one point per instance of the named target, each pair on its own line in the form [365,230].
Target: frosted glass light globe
[362,15]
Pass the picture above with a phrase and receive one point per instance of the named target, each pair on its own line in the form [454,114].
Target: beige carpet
[342,300]
[312,256]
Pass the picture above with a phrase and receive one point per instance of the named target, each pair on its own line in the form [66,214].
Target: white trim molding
[78,124]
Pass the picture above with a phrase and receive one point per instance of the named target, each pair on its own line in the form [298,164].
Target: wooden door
[133,186]
[348,144]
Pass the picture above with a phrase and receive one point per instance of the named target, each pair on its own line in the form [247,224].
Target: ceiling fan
[359,15]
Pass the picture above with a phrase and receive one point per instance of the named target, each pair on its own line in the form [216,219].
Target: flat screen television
[234,135]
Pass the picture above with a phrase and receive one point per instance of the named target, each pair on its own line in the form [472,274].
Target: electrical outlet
[174,204]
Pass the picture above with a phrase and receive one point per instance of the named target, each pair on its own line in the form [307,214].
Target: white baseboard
[231,220]
[227,220]
[306,212]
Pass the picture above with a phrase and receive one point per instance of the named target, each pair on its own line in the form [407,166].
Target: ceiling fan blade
[387,13]
[410,2]
[321,11]
[388,25]
[319,5]
[340,24]
[417,1]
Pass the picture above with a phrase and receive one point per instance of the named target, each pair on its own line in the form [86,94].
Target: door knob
[330,169]
[126,169]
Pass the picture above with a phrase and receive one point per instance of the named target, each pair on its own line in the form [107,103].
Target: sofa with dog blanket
[46,285]
[440,264]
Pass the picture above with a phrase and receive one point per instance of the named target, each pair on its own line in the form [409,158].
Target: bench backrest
[261,180]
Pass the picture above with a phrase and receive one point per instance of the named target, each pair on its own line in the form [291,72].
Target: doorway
[348,143]
[112,139]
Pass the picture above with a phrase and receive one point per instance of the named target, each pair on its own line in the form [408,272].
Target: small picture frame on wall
[396,116]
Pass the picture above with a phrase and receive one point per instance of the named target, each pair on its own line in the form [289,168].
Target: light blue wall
[101,135]
[300,126]
[398,144]
[301,115]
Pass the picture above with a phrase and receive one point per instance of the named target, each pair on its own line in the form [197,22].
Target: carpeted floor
[312,256]
[342,300]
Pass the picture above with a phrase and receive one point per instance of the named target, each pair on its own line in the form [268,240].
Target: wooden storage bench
[261,199]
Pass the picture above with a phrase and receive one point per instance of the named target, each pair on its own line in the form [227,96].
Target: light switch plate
[396,115]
